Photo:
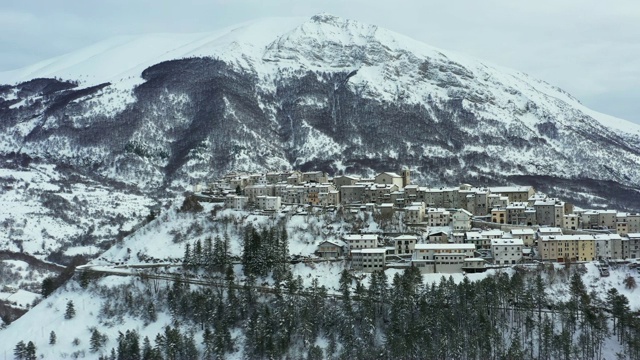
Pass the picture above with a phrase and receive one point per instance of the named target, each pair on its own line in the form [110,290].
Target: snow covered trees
[213,257]
[25,352]
[265,250]
[70,312]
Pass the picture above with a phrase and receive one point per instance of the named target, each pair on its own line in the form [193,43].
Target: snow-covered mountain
[324,93]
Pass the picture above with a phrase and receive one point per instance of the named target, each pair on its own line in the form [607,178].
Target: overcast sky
[589,48]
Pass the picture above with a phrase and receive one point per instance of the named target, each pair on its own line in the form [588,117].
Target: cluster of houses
[471,251]
[445,222]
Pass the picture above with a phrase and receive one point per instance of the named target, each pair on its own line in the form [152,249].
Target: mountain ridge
[329,93]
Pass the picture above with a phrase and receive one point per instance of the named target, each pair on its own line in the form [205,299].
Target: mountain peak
[325,18]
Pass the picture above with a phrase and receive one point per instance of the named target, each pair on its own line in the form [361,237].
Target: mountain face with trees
[328,94]
[499,317]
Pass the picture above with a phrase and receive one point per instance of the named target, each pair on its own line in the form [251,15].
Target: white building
[506,251]
[268,203]
[607,245]
[368,260]
[437,217]
[441,258]
[405,244]
[361,241]
[461,220]
[414,214]
[236,202]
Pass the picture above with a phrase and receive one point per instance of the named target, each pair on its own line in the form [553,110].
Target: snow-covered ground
[43,211]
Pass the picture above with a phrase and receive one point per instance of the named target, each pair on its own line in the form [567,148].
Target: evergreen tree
[315,353]
[186,259]
[48,286]
[208,344]
[52,338]
[208,255]
[30,351]
[197,255]
[70,312]
[20,351]
[95,342]
[148,352]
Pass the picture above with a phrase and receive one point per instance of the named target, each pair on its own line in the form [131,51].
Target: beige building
[571,222]
[563,248]
[499,215]
[526,235]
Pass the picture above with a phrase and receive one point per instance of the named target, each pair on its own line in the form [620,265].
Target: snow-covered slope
[326,93]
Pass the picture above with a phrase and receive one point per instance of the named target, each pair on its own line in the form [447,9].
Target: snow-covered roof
[392,174]
[335,242]
[499,242]
[493,232]
[509,189]
[567,237]
[406,237]
[522,232]
[445,247]
[464,212]
[369,251]
[550,230]
[607,237]
[351,237]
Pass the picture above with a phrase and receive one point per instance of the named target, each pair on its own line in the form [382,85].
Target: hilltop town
[446,229]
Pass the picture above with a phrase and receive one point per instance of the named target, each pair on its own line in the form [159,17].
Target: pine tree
[207,254]
[315,353]
[30,351]
[148,352]
[20,351]
[186,259]
[207,343]
[71,311]
[95,342]
[52,338]
[197,255]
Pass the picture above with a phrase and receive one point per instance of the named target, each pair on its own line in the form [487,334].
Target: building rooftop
[522,232]
[508,189]
[369,251]
[445,247]
[516,242]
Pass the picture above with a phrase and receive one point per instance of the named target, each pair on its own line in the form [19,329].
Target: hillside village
[447,230]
